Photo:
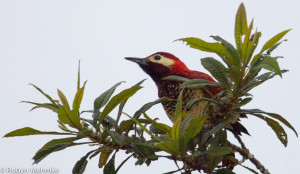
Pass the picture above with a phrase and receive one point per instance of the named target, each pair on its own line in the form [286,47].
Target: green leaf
[168,146]
[50,106]
[183,137]
[178,106]
[147,106]
[78,76]
[212,131]
[284,121]
[242,103]
[46,95]
[81,164]
[143,127]
[281,134]
[175,130]
[269,51]
[246,46]
[270,64]
[124,125]
[208,47]
[252,45]
[269,44]
[78,98]
[69,117]
[217,69]
[30,131]
[63,127]
[142,150]
[231,50]
[160,126]
[213,161]
[104,156]
[117,99]
[240,26]
[139,83]
[40,155]
[121,106]
[274,115]
[95,153]
[250,84]
[191,103]
[200,82]
[109,122]
[195,126]
[176,78]
[110,166]
[119,139]
[218,150]
[104,97]
[58,141]
[63,99]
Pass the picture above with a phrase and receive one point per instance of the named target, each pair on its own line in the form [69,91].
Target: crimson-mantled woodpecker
[161,65]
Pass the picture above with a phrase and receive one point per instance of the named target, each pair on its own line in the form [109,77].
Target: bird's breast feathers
[170,89]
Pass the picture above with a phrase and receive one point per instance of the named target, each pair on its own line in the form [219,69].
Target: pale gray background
[42,41]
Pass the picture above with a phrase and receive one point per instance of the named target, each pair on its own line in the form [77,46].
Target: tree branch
[246,154]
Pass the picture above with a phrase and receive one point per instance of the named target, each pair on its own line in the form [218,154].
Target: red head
[160,65]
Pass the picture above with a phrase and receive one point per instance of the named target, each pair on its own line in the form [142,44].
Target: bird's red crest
[168,55]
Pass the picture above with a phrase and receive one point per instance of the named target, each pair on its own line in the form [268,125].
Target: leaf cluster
[241,69]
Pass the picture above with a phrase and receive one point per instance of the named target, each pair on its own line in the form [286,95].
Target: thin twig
[245,153]
[240,141]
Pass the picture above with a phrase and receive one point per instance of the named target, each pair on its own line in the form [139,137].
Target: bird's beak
[140,61]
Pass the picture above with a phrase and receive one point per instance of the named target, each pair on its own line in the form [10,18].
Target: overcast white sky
[42,41]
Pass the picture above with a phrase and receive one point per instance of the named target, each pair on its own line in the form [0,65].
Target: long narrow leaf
[281,134]
[30,131]
[81,164]
[143,127]
[270,64]
[217,69]
[270,43]
[40,155]
[78,98]
[50,106]
[246,44]
[231,50]
[240,26]
[63,99]
[104,97]
[274,115]
[176,78]
[46,95]
[160,126]
[58,141]
[104,156]
[168,146]
[117,99]
[208,47]
[147,106]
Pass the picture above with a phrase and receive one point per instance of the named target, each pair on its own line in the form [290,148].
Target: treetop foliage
[238,71]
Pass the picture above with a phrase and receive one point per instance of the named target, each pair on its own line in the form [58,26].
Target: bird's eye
[157,57]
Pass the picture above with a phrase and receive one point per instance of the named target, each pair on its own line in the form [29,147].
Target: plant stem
[246,154]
